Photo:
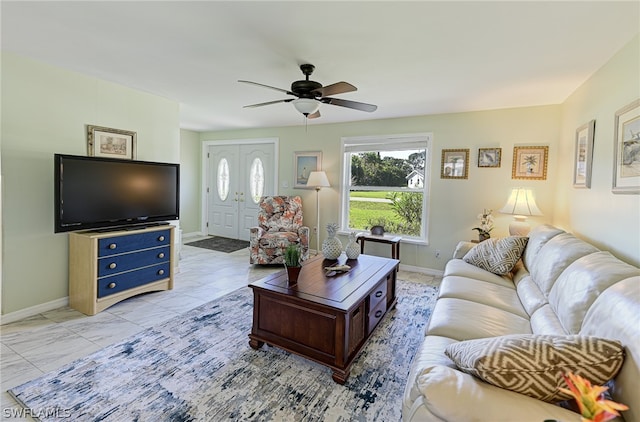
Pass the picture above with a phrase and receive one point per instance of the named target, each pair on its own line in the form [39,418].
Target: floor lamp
[317,180]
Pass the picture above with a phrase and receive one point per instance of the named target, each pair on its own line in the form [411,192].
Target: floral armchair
[279,225]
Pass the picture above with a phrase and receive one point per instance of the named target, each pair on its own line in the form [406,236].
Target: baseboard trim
[422,270]
[33,310]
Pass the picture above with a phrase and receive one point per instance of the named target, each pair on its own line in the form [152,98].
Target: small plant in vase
[486,224]
[292,263]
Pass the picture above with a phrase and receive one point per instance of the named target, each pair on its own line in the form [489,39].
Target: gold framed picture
[530,162]
[455,164]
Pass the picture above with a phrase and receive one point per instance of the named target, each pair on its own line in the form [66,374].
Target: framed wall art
[583,155]
[303,164]
[111,143]
[626,150]
[530,162]
[489,157]
[455,164]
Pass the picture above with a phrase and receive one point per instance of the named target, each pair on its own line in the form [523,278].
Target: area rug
[221,244]
[199,367]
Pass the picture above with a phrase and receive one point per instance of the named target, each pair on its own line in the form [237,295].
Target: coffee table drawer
[379,294]
[376,314]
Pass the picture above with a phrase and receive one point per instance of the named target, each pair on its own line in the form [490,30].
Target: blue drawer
[131,242]
[125,281]
[115,264]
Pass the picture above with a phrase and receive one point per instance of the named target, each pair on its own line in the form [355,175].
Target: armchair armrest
[255,233]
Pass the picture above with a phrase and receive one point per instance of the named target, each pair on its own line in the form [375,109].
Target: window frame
[414,141]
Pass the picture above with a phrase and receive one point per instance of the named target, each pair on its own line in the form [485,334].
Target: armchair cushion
[279,225]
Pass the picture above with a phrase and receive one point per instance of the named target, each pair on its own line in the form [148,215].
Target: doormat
[221,244]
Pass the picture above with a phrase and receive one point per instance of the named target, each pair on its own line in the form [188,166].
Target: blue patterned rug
[199,367]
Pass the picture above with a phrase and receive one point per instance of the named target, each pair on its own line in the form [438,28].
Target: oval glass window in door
[223,179]
[256,180]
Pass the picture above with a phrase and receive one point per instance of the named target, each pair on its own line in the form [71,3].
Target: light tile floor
[45,342]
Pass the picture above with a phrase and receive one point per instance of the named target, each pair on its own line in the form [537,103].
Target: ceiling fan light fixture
[306,106]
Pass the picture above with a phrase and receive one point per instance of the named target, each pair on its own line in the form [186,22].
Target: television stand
[108,267]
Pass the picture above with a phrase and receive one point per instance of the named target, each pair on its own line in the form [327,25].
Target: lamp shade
[318,179]
[306,106]
[521,202]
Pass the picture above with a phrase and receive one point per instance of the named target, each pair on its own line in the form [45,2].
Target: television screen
[95,192]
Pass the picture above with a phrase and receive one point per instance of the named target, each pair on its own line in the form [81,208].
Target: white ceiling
[409,58]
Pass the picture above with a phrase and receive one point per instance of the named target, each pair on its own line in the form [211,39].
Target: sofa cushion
[498,256]
[534,364]
[463,320]
[582,282]
[500,297]
[457,267]
[538,237]
[555,256]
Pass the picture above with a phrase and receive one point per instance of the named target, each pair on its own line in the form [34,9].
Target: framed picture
[489,157]
[583,155]
[530,162]
[626,150]
[455,164]
[112,143]
[303,164]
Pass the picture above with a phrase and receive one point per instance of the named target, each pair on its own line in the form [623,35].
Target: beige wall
[190,178]
[44,111]
[454,203]
[610,221]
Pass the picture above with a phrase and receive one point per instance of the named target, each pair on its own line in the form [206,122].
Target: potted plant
[486,225]
[292,263]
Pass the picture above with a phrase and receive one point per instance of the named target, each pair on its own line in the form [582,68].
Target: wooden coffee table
[327,319]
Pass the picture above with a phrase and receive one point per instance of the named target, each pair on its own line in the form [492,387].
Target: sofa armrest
[255,233]
[462,248]
[452,395]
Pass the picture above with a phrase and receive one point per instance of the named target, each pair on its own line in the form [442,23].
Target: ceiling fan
[310,94]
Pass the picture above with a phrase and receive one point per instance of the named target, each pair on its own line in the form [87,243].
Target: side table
[394,241]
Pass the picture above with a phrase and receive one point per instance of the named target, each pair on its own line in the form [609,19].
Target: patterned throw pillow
[498,256]
[534,364]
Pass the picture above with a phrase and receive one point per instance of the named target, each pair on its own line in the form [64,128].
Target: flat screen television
[97,192]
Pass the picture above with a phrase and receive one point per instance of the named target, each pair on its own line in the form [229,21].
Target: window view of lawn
[369,208]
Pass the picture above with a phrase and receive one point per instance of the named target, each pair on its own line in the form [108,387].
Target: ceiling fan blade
[267,86]
[267,103]
[314,115]
[350,104]
[334,89]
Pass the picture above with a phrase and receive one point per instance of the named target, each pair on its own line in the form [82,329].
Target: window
[386,183]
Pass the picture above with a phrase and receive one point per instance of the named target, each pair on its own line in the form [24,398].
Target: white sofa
[562,286]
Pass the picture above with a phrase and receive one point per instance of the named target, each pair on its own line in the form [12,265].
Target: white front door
[238,175]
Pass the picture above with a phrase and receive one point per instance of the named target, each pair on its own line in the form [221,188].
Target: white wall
[454,203]
[609,221]
[44,111]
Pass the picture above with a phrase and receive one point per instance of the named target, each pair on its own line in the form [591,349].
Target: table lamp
[520,204]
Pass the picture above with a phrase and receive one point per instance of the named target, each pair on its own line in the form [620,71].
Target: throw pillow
[498,256]
[534,364]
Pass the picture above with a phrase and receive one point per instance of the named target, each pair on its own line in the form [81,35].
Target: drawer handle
[161,238]
[113,246]
[112,265]
[379,293]
[111,285]
[379,314]
[160,272]
[161,255]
